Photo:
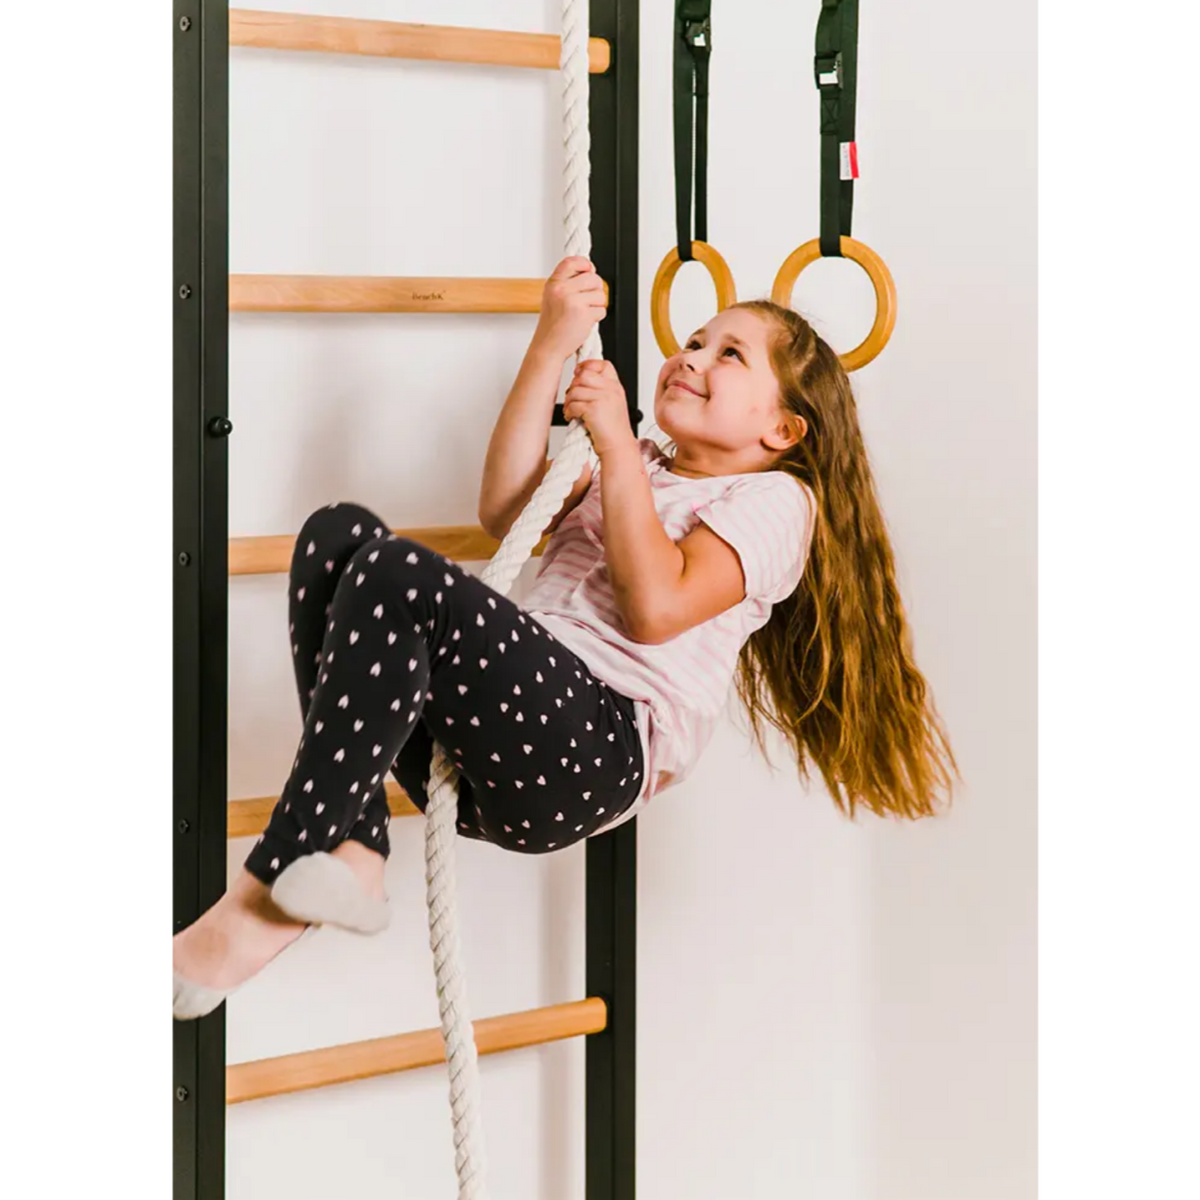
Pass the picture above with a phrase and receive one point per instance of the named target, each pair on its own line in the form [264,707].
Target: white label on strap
[849,160]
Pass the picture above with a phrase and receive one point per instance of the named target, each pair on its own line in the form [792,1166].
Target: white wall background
[826,1010]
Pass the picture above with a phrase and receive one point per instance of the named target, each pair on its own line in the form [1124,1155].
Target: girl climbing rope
[754,553]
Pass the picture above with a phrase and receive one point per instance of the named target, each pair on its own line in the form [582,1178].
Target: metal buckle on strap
[827,68]
[698,34]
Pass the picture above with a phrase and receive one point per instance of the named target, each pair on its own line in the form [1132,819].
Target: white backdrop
[826,1010]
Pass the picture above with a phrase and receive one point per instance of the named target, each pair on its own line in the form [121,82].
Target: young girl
[755,552]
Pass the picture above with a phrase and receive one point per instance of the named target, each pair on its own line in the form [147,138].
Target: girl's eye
[734,351]
[692,345]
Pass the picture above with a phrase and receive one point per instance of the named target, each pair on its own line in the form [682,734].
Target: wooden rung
[391,39]
[382,294]
[248,818]
[272,555]
[406,1051]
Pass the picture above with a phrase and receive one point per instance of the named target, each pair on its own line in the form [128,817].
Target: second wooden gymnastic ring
[881,281]
[660,293]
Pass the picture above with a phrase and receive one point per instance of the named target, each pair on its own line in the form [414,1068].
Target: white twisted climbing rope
[514,552]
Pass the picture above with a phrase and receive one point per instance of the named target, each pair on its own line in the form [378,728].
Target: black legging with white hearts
[395,646]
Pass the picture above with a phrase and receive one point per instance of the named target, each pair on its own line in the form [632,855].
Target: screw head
[181,1094]
[185,23]
[184,825]
[184,292]
[220,427]
[184,558]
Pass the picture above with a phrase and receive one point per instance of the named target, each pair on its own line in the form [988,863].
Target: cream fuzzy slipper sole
[319,889]
[192,1000]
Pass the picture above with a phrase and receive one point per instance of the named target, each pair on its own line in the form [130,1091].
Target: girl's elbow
[653,638]
[648,629]
[491,524]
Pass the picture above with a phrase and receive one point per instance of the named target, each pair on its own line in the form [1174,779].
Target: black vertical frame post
[200,291]
[612,858]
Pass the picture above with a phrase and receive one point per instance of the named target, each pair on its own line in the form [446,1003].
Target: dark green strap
[693,45]
[835,67]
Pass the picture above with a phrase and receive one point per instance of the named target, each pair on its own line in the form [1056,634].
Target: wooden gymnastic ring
[660,293]
[881,281]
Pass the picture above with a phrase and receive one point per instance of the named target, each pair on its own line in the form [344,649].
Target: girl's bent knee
[338,526]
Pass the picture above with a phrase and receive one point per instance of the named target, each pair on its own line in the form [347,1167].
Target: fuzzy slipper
[194,1000]
[319,889]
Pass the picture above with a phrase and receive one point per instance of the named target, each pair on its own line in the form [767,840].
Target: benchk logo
[429,295]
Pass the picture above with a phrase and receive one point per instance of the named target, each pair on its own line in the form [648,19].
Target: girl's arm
[661,587]
[516,457]
[572,303]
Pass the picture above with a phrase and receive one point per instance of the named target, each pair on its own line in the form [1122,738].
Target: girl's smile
[682,385]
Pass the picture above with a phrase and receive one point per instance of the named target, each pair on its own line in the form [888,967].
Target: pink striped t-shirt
[679,688]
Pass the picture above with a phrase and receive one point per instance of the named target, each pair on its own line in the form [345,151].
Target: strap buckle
[698,34]
[827,69]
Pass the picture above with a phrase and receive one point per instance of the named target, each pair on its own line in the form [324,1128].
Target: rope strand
[500,573]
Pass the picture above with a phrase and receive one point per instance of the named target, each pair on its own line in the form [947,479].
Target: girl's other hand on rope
[573,303]
[596,397]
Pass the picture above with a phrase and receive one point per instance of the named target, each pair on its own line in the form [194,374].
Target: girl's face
[718,398]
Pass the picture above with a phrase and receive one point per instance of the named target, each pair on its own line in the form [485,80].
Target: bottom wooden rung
[406,1051]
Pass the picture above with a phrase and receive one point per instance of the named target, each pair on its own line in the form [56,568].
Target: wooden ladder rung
[407,1051]
[248,818]
[382,294]
[394,39]
[272,555]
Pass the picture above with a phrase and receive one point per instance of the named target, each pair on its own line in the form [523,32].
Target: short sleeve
[767,519]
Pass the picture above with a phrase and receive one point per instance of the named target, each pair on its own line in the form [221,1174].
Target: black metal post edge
[199,295]
[611,859]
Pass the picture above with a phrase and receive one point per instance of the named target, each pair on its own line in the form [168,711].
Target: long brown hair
[832,669]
